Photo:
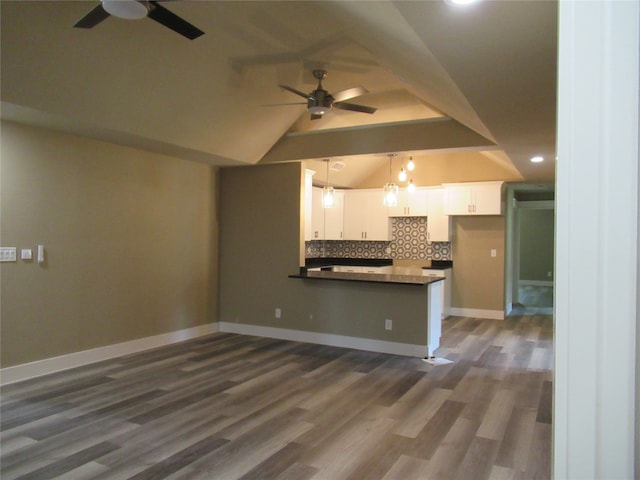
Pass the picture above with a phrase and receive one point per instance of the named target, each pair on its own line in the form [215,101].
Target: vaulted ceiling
[444,78]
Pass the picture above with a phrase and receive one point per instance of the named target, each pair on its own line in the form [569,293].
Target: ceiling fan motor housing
[319,102]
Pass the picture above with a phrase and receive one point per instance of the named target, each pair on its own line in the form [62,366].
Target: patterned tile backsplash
[409,243]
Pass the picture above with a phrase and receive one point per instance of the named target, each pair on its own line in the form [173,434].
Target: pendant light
[390,189]
[411,187]
[328,194]
[402,176]
[411,165]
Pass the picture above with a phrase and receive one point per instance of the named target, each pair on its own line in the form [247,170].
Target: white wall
[596,241]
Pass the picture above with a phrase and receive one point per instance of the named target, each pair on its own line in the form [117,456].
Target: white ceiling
[443,77]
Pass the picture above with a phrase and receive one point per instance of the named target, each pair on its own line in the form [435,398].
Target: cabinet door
[353,218]
[487,199]
[377,225]
[400,210]
[334,218]
[458,201]
[438,224]
[418,202]
[365,217]
[410,204]
[482,198]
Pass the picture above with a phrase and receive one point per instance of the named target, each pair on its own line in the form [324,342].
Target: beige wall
[130,239]
[438,168]
[478,278]
[260,242]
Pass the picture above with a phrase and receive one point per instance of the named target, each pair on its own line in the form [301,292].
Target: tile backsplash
[409,243]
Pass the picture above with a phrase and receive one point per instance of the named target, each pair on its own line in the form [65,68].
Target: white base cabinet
[446,288]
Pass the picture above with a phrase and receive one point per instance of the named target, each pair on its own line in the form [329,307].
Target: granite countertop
[417,280]
[352,262]
[315,262]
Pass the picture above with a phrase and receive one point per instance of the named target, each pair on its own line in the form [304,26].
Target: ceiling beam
[430,134]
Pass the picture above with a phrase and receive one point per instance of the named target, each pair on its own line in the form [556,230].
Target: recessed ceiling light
[537,159]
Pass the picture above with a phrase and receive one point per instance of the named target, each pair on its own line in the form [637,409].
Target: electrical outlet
[388,324]
[278,313]
[493,252]
[549,274]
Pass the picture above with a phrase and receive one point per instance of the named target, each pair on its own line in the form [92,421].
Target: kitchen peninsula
[410,304]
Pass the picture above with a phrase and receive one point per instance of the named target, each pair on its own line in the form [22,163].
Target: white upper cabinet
[327,223]
[410,204]
[365,217]
[438,223]
[482,198]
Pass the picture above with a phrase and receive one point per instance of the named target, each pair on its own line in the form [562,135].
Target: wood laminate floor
[237,407]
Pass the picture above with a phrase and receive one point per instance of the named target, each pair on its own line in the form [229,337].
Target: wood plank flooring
[230,407]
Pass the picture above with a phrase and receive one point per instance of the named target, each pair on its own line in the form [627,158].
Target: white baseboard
[477,313]
[330,339]
[537,283]
[38,368]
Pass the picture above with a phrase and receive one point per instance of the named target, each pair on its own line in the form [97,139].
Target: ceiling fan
[320,101]
[135,9]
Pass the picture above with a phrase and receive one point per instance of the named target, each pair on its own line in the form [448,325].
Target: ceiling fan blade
[348,93]
[282,104]
[315,116]
[93,18]
[171,20]
[354,108]
[297,92]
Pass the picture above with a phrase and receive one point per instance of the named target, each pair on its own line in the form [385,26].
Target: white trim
[38,368]
[596,240]
[357,343]
[477,313]
[537,283]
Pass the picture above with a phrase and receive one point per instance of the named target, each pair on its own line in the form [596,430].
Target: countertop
[417,280]
[316,262]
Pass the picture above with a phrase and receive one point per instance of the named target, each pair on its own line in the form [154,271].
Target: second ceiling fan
[319,101]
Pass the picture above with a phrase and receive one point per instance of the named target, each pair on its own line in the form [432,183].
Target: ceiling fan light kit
[128,9]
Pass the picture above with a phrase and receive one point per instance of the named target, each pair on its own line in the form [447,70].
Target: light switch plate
[26,254]
[8,254]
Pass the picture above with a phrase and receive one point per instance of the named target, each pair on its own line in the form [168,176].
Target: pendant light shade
[402,176]
[411,165]
[390,195]
[328,197]
[328,194]
[411,187]
[390,190]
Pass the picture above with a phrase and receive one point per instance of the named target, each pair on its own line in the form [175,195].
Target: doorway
[530,250]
